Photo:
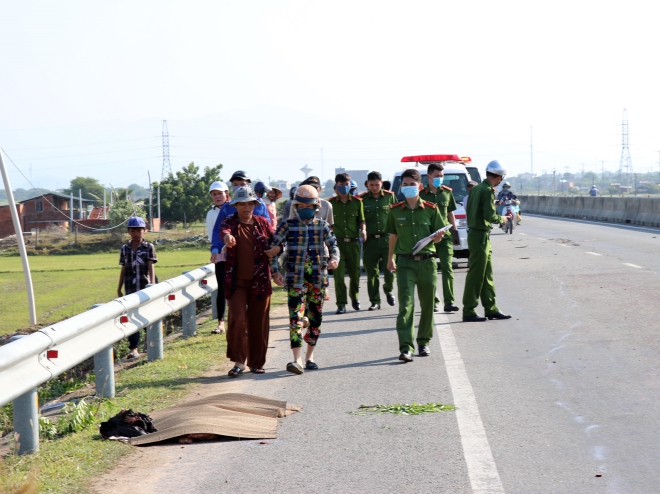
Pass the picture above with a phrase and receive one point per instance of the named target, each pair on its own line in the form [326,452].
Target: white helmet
[495,168]
[218,186]
[506,184]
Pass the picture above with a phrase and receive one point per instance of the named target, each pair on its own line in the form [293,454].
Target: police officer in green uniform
[348,228]
[377,202]
[481,215]
[443,197]
[409,221]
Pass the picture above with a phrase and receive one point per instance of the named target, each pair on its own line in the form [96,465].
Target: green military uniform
[347,230]
[410,226]
[444,199]
[481,215]
[375,249]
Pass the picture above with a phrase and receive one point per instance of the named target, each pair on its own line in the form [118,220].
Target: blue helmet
[136,222]
[353,184]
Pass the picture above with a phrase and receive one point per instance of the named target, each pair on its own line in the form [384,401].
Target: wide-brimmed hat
[243,194]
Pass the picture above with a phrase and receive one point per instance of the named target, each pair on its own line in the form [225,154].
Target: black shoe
[435,308]
[474,318]
[311,365]
[406,357]
[341,309]
[374,307]
[498,315]
[424,351]
[355,304]
[451,308]
[390,299]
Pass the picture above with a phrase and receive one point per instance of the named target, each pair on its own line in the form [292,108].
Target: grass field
[66,285]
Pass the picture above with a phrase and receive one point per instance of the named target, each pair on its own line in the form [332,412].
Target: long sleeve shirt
[302,240]
[481,212]
[227,210]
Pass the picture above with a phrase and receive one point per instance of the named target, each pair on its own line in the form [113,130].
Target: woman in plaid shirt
[305,237]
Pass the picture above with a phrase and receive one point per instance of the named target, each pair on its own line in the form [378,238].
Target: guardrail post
[26,423]
[104,370]
[189,318]
[214,304]
[155,340]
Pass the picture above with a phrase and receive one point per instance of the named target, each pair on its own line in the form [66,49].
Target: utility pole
[104,204]
[167,167]
[151,205]
[80,204]
[160,222]
[531,149]
[554,182]
[71,211]
[626,161]
[582,169]
[32,310]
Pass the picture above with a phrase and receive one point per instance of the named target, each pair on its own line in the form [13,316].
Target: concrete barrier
[630,210]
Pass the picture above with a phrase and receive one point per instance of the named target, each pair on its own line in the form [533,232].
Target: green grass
[67,285]
[65,465]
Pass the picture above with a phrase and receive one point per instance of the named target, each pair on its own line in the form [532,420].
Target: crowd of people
[251,249]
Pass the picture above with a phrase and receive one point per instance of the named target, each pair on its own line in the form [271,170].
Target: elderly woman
[247,283]
[306,237]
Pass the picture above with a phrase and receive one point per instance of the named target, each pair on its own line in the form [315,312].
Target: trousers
[479,284]
[248,314]
[374,255]
[445,251]
[220,277]
[423,275]
[349,262]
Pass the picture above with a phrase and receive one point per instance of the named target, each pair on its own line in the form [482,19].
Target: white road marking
[564,245]
[594,253]
[522,234]
[481,467]
[632,265]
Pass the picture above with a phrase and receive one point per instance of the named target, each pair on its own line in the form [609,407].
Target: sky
[271,86]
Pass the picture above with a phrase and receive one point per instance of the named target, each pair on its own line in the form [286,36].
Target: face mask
[409,191]
[506,189]
[306,214]
[343,189]
[266,200]
[234,187]
[437,182]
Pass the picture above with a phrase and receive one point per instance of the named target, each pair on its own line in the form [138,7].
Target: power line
[67,216]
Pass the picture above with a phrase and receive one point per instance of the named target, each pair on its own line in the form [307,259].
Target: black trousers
[220,276]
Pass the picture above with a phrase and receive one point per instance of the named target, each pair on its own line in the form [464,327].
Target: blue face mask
[437,182]
[306,214]
[410,191]
[343,189]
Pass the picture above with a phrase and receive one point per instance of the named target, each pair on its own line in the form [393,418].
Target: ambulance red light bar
[466,159]
[430,158]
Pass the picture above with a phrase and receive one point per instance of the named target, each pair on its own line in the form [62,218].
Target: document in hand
[427,240]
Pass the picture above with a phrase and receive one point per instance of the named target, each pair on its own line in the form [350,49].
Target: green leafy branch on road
[404,409]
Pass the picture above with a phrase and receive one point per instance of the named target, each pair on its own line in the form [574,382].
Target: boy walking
[306,237]
[137,258]
[410,221]
[349,227]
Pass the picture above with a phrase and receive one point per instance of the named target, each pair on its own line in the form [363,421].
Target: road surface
[562,398]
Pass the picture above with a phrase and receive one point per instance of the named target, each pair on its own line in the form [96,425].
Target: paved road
[562,398]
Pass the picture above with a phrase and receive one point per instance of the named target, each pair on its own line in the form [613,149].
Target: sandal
[235,372]
[218,330]
[294,367]
[257,371]
[311,365]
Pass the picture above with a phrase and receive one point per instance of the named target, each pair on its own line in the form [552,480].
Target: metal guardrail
[47,353]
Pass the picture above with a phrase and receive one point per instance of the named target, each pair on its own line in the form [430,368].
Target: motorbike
[509,208]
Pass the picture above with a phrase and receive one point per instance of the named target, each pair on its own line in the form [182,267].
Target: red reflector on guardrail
[51,353]
[171,297]
[204,282]
[460,216]
[123,319]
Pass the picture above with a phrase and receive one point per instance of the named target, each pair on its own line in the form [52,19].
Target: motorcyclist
[506,194]
[594,191]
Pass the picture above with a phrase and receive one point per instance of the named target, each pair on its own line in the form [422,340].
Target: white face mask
[266,200]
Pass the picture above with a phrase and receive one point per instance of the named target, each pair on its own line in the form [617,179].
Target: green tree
[90,187]
[121,211]
[329,189]
[187,193]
